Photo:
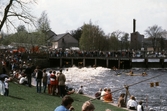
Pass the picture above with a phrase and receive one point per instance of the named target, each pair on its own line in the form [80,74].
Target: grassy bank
[23,98]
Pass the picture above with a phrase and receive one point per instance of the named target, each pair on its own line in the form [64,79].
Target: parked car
[138,54]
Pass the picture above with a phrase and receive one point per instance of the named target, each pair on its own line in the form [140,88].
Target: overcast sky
[110,15]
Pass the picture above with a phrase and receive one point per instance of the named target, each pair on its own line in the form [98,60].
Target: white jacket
[139,107]
[132,103]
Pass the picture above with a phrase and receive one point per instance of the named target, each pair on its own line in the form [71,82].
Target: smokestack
[134,25]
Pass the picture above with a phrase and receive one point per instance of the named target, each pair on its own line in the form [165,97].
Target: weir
[109,62]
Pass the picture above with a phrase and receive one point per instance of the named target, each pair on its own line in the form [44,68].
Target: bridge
[109,62]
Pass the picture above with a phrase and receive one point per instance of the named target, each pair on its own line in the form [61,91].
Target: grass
[23,98]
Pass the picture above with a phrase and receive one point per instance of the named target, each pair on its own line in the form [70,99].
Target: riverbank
[23,98]
[113,104]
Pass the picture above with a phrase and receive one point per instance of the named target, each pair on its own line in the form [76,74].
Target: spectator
[4,69]
[6,87]
[140,106]
[39,76]
[132,104]
[69,90]
[56,84]
[2,87]
[48,82]
[53,82]
[121,100]
[98,94]
[44,80]
[80,90]
[88,106]
[23,80]
[108,96]
[103,93]
[66,104]
[28,72]
[61,83]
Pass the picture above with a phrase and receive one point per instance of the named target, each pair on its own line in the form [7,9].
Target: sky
[109,15]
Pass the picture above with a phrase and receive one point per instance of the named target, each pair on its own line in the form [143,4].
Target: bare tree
[18,9]
[155,33]
[118,34]
[115,39]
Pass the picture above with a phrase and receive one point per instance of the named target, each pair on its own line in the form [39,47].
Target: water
[94,78]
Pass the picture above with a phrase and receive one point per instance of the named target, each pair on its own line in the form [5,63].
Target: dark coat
[39,74]
[28,71]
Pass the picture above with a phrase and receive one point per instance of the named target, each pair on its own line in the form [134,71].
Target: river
[94,78]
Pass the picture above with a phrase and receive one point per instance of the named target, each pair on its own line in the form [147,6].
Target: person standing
[140,106]
[39,76]
[53,83]
[61,83]
[121,100]
[28,72]
[48,82]
[66,104]
[56,86]
[4,69]
[44,80]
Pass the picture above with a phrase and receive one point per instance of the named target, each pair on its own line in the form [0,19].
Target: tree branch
[5,14]
[19,9]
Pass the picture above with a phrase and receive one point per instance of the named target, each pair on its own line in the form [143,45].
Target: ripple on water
[92,79]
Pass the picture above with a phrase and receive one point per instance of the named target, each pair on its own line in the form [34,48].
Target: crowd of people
[21,70]
[94,53]
[53,83]
[106,96]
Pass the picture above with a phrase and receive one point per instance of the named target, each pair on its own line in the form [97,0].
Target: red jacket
[53,80]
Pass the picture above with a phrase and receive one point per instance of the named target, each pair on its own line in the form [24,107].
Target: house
[63,41]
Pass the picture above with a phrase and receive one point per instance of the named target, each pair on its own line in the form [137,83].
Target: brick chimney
[134,25]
